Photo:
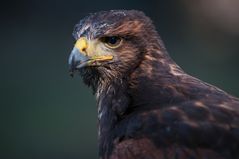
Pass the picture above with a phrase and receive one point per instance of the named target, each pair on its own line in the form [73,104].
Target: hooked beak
[76,60]
[82,55]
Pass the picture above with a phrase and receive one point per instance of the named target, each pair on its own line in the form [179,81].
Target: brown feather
[149,108]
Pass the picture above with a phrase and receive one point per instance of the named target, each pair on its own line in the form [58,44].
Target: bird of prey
[148,107]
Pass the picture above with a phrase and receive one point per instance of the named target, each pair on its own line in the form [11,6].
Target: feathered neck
[155,80]
[122,96]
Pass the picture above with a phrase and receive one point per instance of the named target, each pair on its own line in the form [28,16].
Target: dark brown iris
[112,41]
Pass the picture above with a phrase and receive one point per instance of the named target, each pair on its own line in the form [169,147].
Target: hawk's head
[110,44]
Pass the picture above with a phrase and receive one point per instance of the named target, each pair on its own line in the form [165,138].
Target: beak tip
[76,60]
[71,70]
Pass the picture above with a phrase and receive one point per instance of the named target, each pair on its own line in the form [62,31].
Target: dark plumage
[148,107]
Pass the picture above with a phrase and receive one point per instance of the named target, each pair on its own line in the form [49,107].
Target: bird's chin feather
[98,76]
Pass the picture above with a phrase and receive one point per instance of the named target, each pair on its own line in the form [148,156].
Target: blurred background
[46,114]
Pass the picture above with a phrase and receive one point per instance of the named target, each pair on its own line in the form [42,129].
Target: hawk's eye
[112,41]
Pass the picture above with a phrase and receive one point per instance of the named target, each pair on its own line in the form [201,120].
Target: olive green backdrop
[46,114]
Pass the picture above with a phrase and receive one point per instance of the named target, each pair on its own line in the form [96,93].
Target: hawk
[148,107]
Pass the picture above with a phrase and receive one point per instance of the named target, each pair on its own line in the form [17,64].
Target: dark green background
[47,114]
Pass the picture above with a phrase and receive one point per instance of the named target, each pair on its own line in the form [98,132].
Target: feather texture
[148,107]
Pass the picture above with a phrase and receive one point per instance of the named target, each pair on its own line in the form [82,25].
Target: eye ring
[112,41]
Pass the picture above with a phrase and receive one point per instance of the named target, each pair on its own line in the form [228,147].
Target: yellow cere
[81,44]
[88,49]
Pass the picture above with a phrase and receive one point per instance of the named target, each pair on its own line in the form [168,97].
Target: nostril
[83,50]
[81,44]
